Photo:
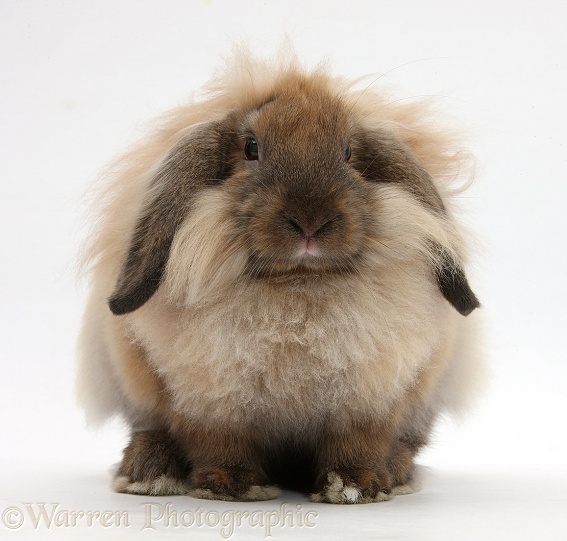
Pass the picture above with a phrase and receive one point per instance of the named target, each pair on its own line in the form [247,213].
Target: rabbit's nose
[310,228]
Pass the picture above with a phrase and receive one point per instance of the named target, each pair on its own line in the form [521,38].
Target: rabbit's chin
[302,265]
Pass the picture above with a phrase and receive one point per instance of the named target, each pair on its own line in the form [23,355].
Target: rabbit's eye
[347,153]
[251,149]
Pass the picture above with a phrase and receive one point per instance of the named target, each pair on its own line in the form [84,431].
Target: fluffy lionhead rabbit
[278,293]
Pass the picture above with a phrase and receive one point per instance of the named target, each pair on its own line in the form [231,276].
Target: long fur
[277,357]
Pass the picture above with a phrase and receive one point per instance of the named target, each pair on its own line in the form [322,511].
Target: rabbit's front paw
[353,486]
[152,465]
[232,484]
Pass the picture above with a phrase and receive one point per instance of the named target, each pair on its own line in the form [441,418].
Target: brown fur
[151,454]
[303,308]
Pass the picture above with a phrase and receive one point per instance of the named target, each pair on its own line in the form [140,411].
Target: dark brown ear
[455,287]
[199,159]
[381,158]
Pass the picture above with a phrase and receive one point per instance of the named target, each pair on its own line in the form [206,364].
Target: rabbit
[278,295]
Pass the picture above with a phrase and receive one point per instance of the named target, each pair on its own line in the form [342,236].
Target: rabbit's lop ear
[389,160]
[455,287]
[199,159]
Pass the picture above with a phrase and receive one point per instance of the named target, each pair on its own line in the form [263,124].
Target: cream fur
[337,492]
[162,486]
[290,352]
[339,347]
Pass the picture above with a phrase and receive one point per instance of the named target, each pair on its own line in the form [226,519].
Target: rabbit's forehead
[305,116]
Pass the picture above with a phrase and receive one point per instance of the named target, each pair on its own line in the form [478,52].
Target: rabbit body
[286,291]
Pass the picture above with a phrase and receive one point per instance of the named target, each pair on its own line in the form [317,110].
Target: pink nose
[308,247]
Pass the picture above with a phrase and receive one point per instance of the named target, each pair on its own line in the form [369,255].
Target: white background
[80,78]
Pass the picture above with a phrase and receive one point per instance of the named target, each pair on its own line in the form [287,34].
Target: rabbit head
[298,181]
